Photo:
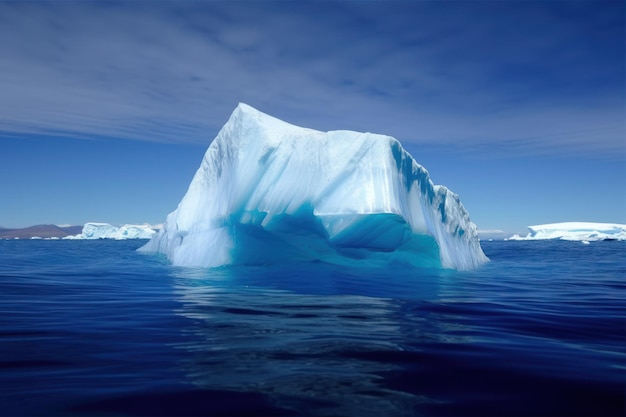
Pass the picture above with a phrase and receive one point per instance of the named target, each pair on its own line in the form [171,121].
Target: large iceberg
[578,231]
[94,230]
[268,191]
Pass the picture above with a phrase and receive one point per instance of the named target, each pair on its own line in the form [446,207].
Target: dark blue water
[93,328]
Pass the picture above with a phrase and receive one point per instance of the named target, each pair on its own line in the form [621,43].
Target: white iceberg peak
[263,120]
[269,191]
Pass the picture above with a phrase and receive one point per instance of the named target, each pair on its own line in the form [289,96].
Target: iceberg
[577,231]
[269,192]
[106,231]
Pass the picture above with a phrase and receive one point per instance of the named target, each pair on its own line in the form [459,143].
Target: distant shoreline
[41,230]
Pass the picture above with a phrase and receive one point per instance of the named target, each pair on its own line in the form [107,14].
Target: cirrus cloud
[529,77]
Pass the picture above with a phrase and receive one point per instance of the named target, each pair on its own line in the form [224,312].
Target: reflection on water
[325,352]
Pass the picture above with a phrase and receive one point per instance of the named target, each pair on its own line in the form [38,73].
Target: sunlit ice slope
[268,191]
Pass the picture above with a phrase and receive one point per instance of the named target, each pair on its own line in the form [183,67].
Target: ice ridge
[94,230]
[576,231]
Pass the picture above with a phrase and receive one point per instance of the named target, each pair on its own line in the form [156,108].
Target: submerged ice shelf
[268,191]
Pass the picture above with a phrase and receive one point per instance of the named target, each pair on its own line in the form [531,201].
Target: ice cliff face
[107,231]
[268,191]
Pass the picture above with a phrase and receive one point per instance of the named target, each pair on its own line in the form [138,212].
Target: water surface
[93,328]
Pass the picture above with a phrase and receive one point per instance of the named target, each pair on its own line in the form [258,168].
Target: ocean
[94,328]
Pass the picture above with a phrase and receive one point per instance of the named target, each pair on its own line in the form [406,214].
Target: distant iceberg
[577,231]
[268,191]
[107,231]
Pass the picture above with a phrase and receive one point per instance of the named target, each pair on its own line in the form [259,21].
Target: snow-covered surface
[578,231]
[107,231]
[268,191]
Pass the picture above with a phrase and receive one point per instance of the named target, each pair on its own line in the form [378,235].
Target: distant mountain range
[40,230]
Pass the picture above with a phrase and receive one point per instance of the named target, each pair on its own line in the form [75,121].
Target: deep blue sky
[519,107]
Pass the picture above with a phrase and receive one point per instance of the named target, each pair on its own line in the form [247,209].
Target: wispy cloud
[543,77]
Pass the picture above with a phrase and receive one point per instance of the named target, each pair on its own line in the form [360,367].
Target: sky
[106,109]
